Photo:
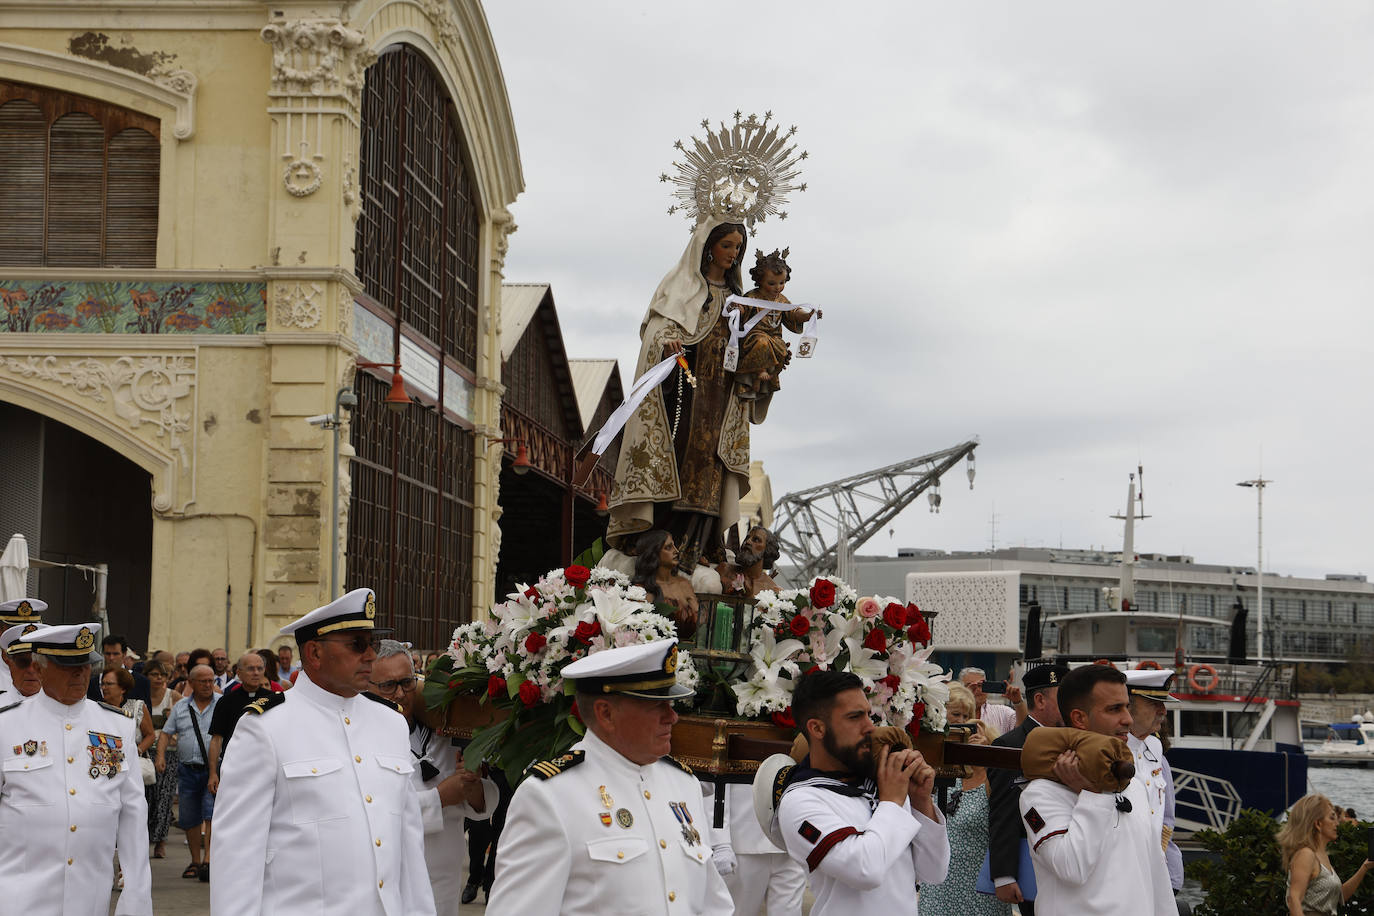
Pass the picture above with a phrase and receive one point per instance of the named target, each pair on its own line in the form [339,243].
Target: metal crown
[739,174]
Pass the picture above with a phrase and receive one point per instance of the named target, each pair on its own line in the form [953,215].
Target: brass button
[662,844]
[620,855]
[73,828]
[347,721]
[69,726]
[71,791]
[71,759]
[646,794]
[313,770]
[69,861]
[357,759]
[379,841]
[672,895]
[380,883]
[368,799]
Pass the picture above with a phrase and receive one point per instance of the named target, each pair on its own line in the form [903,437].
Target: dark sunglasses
[405,683]
[22,660]
[358,643]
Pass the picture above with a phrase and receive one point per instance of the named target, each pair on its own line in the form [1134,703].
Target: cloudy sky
[1091,234]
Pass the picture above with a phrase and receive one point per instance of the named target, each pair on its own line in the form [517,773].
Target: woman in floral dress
[967,817]
[160,793]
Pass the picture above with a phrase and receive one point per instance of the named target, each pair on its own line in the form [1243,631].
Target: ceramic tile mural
[133,307]
[373,334]
[458,393]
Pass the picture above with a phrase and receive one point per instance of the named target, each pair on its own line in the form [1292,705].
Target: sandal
[192,871]
[159,851]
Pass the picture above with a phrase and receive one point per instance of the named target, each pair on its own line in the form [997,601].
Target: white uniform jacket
[1149,772]
[329,778]
[71,791]
[862,858]
[1091,858]
[446,848]
[594,833]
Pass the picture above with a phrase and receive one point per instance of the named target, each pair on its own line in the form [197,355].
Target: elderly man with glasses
[319,777]
[448,791]
[251,687]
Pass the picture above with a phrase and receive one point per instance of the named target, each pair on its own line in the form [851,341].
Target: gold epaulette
[262,704]
[547,769]
[389,704]
[119,709]
[677,763]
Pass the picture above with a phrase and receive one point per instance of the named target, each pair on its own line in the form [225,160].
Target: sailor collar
[316,694]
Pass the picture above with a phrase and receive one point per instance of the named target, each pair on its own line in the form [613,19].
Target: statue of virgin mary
[684,459]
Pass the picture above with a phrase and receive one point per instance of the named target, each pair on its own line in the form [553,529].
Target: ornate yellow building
[209,212]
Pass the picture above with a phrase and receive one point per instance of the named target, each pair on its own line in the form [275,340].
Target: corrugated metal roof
[518,304]
[589,377]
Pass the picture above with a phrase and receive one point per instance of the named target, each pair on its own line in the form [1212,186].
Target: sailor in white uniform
[326,769]
[71,791]
[615,826]
[1150,703]
[19,612]
[17,654]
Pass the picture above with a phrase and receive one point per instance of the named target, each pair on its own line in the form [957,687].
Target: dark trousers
[483,837]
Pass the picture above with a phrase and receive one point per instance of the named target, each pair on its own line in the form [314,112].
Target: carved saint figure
[684,460]
[748,575]
[763,353]
[656,561]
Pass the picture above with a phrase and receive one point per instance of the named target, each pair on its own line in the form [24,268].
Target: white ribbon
[638,392]
[733,315]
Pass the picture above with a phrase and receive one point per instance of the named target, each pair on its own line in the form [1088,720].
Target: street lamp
[1259,483]
[396,399]
[521,463]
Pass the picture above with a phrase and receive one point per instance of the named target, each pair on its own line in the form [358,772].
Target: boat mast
[1126,591]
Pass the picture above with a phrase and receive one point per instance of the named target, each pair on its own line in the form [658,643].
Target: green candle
[723,629]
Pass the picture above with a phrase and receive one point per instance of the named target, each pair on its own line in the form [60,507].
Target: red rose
[586,630]
[894,615]
[914,615]
[919,633]
[577,576]
[496,686]
[800,626]
[913,727]
[784,719]
[891,682]
[822,593]
[534,642]
[529,693]
[875,640]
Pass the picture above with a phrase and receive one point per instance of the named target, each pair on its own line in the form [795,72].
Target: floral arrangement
[515,658]
[828,626]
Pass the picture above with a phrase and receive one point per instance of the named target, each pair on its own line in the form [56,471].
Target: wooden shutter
[131,200]
[76,191]
[23,166]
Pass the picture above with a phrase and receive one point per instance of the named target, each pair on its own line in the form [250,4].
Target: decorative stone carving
[440,13]
[318,58]
[298,306]
[302,177]
[152,394]
[345,318]
[351,197]
[502,225]
[180,81]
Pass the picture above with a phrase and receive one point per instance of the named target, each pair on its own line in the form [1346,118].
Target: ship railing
[1203,802]
[1253,682]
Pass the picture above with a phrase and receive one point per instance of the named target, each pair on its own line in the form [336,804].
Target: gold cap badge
[370,610]
[84,639]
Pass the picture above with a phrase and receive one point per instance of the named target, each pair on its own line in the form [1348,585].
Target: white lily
[772,657]
[755,696]
[613,610]
[866,664]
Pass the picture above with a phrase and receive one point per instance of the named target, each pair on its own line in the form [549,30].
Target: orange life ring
[1104,661]
[1148,663]
[1212,678]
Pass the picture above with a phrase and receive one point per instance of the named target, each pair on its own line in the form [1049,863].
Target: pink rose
[867,607]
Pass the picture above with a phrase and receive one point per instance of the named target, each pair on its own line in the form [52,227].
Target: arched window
[410,519]
[78,181]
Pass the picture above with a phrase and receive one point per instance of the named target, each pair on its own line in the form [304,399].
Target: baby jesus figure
[763,353]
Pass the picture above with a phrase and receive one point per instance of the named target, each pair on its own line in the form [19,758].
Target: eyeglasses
[359,643]
[405,683]
[22,660]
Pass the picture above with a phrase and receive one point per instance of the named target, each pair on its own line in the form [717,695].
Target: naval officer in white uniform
[615,826]
[1150,702]
[71,791]
[327,771]
[17,613]
[17,654]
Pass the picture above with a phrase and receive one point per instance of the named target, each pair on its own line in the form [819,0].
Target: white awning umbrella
[14,569]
